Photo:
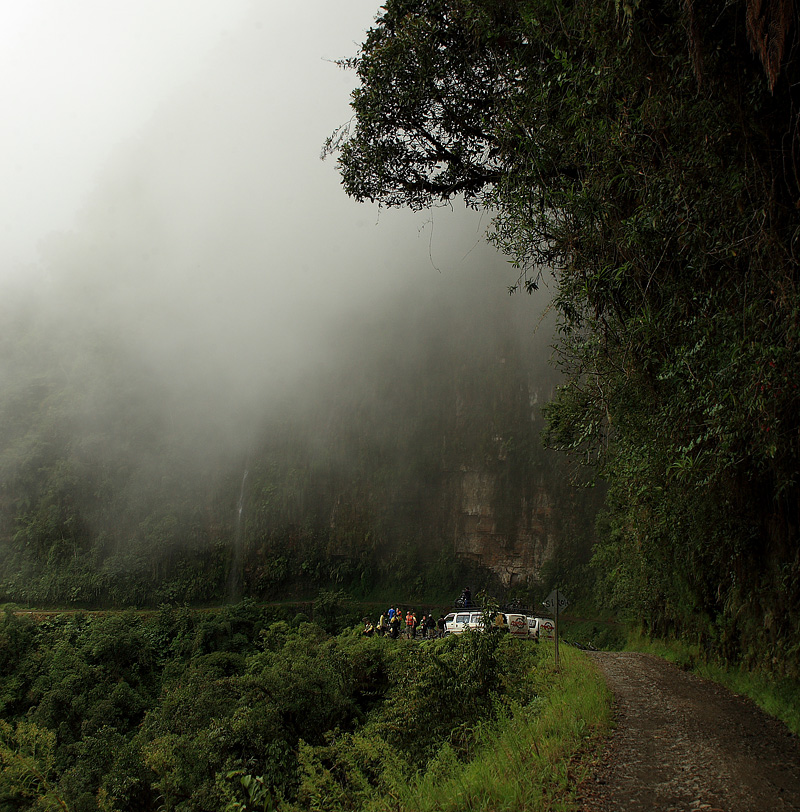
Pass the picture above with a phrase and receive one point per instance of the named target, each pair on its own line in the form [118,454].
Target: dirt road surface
[683,744]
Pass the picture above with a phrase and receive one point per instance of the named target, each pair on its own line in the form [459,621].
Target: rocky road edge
[683,744]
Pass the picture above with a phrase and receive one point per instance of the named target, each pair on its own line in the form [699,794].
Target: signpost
[555,602]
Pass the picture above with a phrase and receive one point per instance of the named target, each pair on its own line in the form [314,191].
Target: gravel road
[683,744]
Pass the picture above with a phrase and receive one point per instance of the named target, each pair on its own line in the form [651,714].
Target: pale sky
[162,192]
[79,77]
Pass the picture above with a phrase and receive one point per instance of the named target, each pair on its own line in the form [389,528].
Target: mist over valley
[311,310]
[217,306]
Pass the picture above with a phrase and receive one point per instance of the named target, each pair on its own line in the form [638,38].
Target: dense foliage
[235,710]
[646,153]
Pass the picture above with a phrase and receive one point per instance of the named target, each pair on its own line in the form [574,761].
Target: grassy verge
[531,760]
[779,697]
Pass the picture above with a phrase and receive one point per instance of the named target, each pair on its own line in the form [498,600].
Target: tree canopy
[432,85]
[645,155]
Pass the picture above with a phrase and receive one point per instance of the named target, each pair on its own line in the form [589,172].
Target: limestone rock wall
[514,551]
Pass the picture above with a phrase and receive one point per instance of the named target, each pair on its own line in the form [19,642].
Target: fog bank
[218,260]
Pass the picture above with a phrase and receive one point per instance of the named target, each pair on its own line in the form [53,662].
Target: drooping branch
[768,25]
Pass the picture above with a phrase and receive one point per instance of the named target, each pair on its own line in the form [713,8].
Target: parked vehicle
[457,622]
[515,623]
[545,628]
[518,625]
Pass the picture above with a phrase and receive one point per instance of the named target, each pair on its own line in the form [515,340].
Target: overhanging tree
[433,83]
[645,154]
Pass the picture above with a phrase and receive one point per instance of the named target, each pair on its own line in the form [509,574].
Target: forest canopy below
[640,159]
[242,709]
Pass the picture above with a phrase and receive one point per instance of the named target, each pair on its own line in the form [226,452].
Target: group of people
[395,624]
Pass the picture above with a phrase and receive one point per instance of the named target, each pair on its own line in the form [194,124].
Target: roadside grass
[532,759]
[777,696]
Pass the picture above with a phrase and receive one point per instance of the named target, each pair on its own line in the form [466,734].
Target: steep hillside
[411,460]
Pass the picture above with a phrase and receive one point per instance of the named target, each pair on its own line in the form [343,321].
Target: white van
[456,622]
[518,625]
[545,628]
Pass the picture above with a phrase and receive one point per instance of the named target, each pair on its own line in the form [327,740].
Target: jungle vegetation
[640,160]
[240,710]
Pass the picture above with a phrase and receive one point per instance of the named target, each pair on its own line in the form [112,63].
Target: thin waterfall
[235,575]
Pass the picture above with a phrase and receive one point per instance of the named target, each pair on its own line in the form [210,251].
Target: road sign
[556,600]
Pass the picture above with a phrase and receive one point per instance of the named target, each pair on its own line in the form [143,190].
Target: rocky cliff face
[515,553]
[505,504]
